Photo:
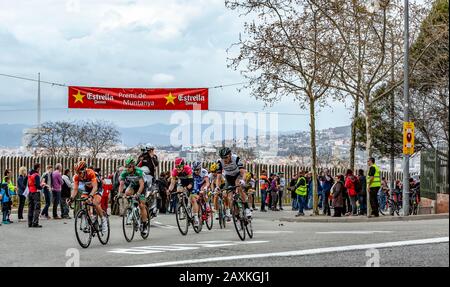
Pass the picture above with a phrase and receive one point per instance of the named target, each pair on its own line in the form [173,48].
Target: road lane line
[301,252]
[353,232]
[272,231]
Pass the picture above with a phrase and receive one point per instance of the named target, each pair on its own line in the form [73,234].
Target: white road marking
[159,224]
[301,252]
[272,231]
[353,232]
[141,250]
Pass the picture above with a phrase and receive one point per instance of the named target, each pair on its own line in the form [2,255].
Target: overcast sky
[119,43]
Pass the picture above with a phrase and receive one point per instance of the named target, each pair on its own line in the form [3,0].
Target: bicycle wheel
[103,237]
[198,228]
[238,223]
[145,233]
[182,218]
[221,216]
[209,218]
[249,228]
[83,229]
[128,224]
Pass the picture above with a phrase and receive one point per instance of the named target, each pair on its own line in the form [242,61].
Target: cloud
[162,79]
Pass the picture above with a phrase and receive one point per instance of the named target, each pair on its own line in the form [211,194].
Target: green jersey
[132,178]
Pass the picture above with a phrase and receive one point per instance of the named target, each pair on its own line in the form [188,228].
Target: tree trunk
[368,128]
[353,140]
[313,154]
[368,144]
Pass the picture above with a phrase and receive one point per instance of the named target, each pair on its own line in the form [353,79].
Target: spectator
[57,182]
[66,191]
[362,193]
[46,183]
[149,159]
[11,186]
[352,183]
[398,191]
[163,186]
[34,197]
[6,196]
[301,188]
[327,183]
[253,181]
[263,187]
[337,192]
[22,184]
[293,194]
[115,200]
[282,185]
[374,184]
[382,193]
[274,192]
[309,196]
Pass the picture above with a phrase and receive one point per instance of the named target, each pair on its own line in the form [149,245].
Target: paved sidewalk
[348,219]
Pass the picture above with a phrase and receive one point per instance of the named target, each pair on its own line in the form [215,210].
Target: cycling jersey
[213,178]
[199,180]
[85,182]
[132,179]
[185,176]
[232,168]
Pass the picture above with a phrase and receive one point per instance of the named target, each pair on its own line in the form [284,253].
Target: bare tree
[102,136]
[366,36]
[281,51]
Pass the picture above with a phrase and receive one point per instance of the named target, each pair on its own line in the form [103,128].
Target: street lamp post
[406,109]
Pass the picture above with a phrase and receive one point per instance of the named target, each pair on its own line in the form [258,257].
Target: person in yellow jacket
[301,189]
[374,184]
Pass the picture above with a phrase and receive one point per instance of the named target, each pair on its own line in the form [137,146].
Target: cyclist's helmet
[81,166]
[130,161]
[149,148]
[214,167]
[196,165]
[224,152]
[179,162]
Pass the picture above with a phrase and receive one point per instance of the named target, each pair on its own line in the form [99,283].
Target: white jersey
[231,169]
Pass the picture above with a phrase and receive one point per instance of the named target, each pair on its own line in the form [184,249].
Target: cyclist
[87,181]
[132,178]
[183,173]
[212,179]
[232,168]
[201,186]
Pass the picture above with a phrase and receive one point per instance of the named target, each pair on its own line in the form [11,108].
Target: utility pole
[39,104]
[406,110]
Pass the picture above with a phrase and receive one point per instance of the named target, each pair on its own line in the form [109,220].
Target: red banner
[137,99]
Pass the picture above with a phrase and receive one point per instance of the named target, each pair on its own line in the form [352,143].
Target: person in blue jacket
[6,198]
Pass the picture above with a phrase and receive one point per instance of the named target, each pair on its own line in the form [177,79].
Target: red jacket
[350,185]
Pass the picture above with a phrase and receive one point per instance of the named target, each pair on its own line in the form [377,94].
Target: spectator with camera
[149,159]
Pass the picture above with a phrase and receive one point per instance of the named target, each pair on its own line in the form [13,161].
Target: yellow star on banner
[170,99]
[78,98]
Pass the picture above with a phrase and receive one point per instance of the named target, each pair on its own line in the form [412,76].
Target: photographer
[149,159]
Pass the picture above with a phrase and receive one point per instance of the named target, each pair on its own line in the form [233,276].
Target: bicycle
[242,223]
[392,206]
[87,227]
[413,202]
[183,212]
[207,216]
[131,220]
[221,211]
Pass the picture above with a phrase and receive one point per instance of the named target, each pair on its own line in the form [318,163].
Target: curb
[323,219]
